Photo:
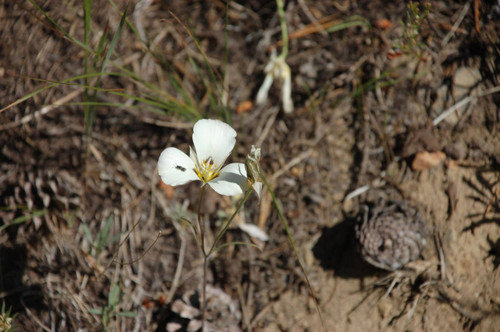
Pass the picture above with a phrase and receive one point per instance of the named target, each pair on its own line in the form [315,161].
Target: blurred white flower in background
[213,142]
[278,69]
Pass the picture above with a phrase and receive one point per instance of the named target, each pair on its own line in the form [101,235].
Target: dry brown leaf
[425,160]
[244,106]
[167,189]
[383,24]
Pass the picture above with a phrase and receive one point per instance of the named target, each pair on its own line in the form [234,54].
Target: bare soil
[363,118]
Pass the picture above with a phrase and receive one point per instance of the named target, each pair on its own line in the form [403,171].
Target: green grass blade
[127,314]
[101,47]
[88,234]
[23,219]
[58,28]
[103,235]
[115,39]
[214,78]
[350,22]
[54,84]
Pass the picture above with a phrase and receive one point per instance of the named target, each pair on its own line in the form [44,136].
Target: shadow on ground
[336,250]
[16,294]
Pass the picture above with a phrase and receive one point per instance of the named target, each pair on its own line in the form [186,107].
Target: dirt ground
[83,211]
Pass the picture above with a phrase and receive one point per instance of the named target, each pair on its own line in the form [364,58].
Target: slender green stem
[290,239]
[229,221]
[284,31]
[204,293]
[200,225]
[205,260]
[213,248]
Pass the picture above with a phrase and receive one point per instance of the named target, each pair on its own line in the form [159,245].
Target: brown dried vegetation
[363,113]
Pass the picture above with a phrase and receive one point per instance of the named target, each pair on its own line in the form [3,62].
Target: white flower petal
[264,90]
[254,231]
[194,157]
[231,181]
[257,187]
[175,167]
[213,139]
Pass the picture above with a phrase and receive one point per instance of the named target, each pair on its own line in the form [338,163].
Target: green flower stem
[204,292]
[200,226]
[284,31]
[205,259]
[290,239]
[229,221]
[212,248]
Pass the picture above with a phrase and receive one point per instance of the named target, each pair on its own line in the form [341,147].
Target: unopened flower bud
[252,166]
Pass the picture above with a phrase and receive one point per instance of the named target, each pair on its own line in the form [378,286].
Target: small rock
[425,160]
[384,308]
[456,150]
[464,79]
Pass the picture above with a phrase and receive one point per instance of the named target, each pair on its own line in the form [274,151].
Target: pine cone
[391,234]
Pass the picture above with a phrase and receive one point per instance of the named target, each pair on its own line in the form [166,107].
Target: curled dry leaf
[244,106]
[167,189]
[425,160]
[383,23]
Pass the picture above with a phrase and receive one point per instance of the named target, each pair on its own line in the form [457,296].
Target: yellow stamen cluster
[207,170]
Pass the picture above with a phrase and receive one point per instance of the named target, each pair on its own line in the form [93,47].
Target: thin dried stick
[178,269]
[44,110]
[457,23]
[290,164]
[463,102]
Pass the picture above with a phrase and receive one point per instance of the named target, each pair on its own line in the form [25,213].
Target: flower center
[208,170]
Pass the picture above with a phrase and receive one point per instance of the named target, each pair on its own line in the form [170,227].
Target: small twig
[141,256]
[130,170]
[30,314]
[477,3]
[267,128]
[361,190]
[356,192]
[311,18]
[463,102]
[178,270]
[394,281]
[438,243]
[457,23]
[414,306]
[159,123]
[243,306]
[138,16]
[452,109]
[290,164]
[493,199]
[44,110]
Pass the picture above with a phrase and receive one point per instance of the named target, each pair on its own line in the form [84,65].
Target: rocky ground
[387,107]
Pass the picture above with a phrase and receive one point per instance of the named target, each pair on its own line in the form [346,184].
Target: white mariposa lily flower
[277,68]
[213,142]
